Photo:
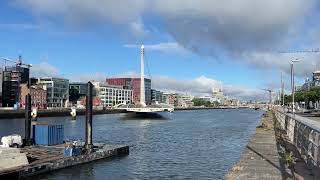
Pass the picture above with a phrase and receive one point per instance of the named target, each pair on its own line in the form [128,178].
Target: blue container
[45,134]
[72,151]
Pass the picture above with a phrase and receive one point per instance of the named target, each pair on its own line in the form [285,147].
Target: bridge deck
[146,109]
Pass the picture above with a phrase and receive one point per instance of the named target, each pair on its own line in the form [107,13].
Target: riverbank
[260,159]
[269,155]
[5,114]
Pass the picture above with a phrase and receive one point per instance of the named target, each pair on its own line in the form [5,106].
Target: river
[195,144]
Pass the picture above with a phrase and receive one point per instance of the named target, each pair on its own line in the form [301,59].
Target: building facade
[313,82]
[1,80]
[111,96]
[157,96]
[13,76]
[57,91]
[170,99]
[217,95]
[134,85]
[77,90]
[38,96]
[184,100]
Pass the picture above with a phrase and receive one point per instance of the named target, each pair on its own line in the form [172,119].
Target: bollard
[73,113]
[88,144]
[27,137]
[34,114]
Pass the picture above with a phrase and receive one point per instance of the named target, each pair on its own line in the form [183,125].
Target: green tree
[202,102]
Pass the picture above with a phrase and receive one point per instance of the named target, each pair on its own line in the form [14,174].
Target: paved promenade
[260,160]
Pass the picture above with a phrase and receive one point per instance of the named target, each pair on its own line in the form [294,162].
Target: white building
[184,100]
[112,95]
[57,91]
[217,95]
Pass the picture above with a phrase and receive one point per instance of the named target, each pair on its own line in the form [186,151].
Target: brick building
[134,85]
[38,96]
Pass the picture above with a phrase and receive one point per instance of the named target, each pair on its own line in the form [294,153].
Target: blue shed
[45,134]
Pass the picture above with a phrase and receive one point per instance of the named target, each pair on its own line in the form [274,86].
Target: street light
[292,82]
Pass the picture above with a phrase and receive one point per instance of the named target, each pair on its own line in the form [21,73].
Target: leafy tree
[73,95]
[202,102]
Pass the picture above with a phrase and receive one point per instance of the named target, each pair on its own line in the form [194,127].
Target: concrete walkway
[260,160]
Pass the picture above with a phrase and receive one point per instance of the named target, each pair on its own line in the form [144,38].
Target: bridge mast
[142,88]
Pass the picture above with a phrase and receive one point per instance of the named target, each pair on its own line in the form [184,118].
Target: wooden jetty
[44,159]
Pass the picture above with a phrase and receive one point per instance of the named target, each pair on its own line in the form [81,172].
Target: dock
[44,159]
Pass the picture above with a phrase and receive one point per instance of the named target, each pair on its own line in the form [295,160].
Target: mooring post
[27,137]
[88,144]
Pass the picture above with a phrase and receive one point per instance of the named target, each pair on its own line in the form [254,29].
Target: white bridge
[146,109]
[142,107]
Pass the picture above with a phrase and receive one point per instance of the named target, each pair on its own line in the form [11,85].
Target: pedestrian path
[260,159]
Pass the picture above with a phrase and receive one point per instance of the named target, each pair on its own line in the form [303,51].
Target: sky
[191,45]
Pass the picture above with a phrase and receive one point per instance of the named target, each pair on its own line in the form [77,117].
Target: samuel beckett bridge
[142,107]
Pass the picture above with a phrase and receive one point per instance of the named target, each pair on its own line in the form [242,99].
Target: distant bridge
[146,109]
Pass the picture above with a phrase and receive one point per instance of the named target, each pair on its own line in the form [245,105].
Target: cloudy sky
[191,45]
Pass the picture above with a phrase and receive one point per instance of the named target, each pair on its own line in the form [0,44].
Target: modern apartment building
[113,95]
[57,90]
[134,85]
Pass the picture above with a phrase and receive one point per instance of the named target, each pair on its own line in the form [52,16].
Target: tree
[202,102]
[74,95]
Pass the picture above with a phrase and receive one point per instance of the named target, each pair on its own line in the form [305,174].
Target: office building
[156,96]
[57,90]
[134,85]
[111,96]
[77,90]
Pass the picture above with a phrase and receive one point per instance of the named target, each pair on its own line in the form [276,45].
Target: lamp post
[292,83]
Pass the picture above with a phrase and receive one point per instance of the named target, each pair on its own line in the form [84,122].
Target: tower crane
[300,51]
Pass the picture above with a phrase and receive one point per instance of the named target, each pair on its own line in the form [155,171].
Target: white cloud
[246,30]
[202,86]
[43,69]
[308,62]
[138,29]
[168,47]
[112,11]
[85,77]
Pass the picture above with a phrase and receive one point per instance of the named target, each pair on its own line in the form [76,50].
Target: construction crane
[300,51]
[17,62]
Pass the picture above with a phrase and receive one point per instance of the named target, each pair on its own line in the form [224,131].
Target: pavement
[260,159]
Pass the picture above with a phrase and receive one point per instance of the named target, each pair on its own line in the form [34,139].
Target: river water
[196,144]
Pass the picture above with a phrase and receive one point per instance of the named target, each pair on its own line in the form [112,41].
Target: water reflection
[200,144]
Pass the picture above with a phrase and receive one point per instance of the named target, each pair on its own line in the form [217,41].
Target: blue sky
[84,40]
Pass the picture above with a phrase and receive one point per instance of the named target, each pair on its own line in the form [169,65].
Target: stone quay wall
[302,132]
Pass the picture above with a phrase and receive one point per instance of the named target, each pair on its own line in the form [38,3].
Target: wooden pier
[44,159]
